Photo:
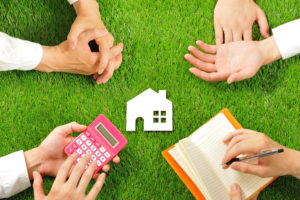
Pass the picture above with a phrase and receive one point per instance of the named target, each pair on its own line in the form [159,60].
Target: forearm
[269,50]
[294,163]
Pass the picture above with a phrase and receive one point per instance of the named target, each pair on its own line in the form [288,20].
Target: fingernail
[226,137]
[198,42]
[190,48]
[100,71]
[234,187]
[186,55]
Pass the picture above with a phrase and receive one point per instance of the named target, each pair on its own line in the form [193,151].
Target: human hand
[76,185]
[79,60]
[88,18]
[236,193]
[49,155]
[248,142]
[235,18]
[234,61]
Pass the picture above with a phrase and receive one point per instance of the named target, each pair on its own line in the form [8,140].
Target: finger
[237,35]
[116,50]
[206,47]
[104,49]
[73,36]
[218,34]
[78,170]
[204,66]
[118,61]
[70,128]
[228,35]
[69,139]
[228,137]
[38,189]
[247,34]
[262,23]
[107,74]
[96,187]
[202,56]
[235,192]
[210,77]
[239,76]
[116,159]
[235,140]
[95,76]
[86,178]
[92,34]
[248,168]
[63,171]
[106,168]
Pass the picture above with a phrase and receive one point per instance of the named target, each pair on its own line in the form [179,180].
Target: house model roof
[150,95]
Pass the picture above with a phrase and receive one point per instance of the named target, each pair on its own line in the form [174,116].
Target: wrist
[48,60]
[33,161]
[269,50]
[87,7]
[294,163]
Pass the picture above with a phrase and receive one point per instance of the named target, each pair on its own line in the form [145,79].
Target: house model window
[159,116]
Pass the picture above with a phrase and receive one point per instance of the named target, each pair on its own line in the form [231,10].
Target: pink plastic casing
[92,133]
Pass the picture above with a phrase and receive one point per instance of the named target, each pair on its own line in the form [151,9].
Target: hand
[88,18]
[236,193]
[79,60]
[49,156]
[235,18]
[76,185]
[233,62]
[247,142]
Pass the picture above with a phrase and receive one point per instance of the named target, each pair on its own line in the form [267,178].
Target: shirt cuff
[287,38]
[72,1]
[13,174]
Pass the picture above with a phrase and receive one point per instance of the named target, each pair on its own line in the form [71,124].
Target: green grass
[156,35]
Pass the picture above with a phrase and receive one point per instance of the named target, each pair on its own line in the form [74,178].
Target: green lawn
[156,35]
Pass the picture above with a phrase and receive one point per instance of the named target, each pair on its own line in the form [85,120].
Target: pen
[268,153]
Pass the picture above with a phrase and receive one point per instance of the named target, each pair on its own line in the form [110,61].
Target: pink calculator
[101,139]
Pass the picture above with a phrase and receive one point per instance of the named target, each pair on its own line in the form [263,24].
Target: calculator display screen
[107,135]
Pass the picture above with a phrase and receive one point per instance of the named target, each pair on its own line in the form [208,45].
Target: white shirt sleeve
[13,174]
[72,1]
[17,54]
[287,38]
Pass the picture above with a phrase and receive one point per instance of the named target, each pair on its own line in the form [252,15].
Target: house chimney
[163,93]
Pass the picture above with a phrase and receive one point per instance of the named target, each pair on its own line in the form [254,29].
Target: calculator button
[70,150]
[88,134]
[98,163]
[78,141]
[88,152]
[79,151]
[83,137]
[75,146]
[83,147]
[102,149]
[102,158]
[98,153]
[93,157]
[107,155]
[88,143]
[97,144]
[93,139]
[93,148]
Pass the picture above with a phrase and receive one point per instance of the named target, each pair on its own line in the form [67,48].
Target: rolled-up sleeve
[17,54]
[13,174]
[287,38]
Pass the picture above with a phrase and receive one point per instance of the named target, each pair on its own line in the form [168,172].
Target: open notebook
[197,161]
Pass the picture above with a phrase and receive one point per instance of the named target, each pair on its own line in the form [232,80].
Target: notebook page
[182,161]
[198,163]
[209,140]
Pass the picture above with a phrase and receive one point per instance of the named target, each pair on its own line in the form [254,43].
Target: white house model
[154,108]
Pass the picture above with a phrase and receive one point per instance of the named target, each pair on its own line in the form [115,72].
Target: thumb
[262,23]
[38,186]
[92,34]
[239,76]
[73,36]
[235,192]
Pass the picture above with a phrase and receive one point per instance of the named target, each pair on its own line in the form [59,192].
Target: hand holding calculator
[101,139]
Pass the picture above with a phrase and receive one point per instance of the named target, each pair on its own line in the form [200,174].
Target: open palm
[233,62]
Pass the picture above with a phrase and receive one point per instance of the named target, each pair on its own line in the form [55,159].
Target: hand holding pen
[248,142]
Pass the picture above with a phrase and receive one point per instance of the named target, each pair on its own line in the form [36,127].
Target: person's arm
[13,174]
[248,142]
[17,54]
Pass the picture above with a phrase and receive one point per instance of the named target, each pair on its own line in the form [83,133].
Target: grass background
[156,35]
